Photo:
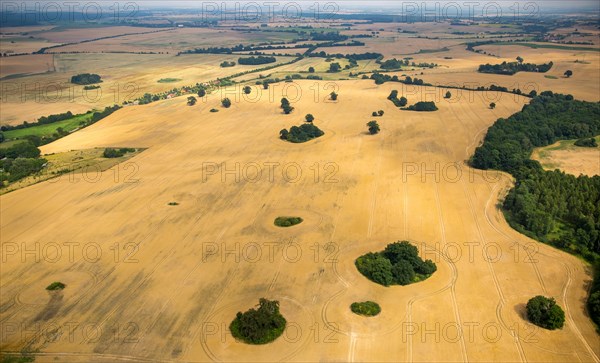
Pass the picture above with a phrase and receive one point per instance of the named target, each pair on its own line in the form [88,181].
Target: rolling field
[125,77]
[571,159]
[149,281]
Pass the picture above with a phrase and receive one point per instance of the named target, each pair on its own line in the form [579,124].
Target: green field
[48,129]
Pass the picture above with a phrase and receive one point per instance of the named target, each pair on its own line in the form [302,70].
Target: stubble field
[170,278]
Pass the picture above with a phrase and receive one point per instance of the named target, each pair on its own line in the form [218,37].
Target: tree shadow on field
[521,310]
[52,307]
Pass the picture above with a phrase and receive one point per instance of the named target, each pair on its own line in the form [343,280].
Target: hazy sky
[391,4]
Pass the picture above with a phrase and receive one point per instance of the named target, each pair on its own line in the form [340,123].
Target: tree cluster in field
[587,142]
[551,206]
[365,308]
[57,285]
[398,264]
[381,78]
[86,78]
[256,60]
[398,102]
[287,221]
[19,161]
[380,112]
[226,64]
[353,56]
[260,325]
[397,64]
[302,133]
[510,68]
[422,106]
[329,36]
[544,312]
[110,152]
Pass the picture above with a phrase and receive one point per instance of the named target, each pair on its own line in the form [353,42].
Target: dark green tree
[544,312]
[226,102]
[373,127]
[309,118]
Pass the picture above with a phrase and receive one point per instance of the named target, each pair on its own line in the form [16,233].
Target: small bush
[365,308]
[214,110]
[56,286]
[173,203]
[287,221]
[226,102]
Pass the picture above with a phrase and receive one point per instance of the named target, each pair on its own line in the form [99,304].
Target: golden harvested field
[571,159]
[125,77]
[149,281]
[174,41]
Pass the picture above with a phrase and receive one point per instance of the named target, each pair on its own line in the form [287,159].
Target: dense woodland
[552,206]
[19,161]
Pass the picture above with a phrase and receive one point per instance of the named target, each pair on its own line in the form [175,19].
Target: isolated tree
[311,70]
[492,105]
[283,134]
[191,101]
[201,92]
[568,73]
[287,109]
[380,112]
[333,96]
[448,95]
[285,105]
[373,127]
[544,312]
[247,90]
[334,67]
[226,102]
[309,117]
[374,114]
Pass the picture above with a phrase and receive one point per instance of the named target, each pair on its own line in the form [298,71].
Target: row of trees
[510,68]
[398,264]
[44,120]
